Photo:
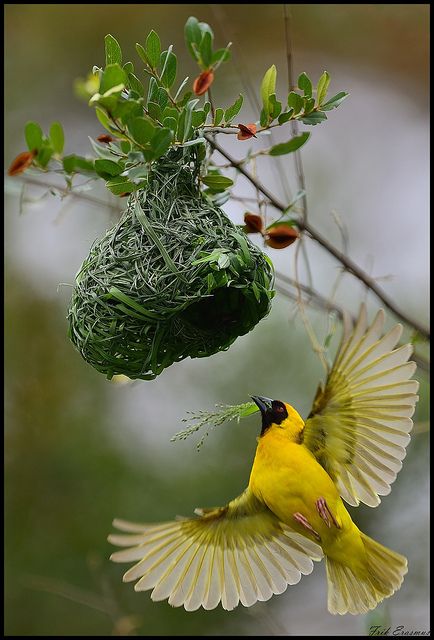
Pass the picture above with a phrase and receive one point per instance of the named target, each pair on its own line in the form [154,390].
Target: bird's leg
[325,513]
[299,517]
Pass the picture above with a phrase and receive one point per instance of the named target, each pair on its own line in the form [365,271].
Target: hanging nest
[173,278]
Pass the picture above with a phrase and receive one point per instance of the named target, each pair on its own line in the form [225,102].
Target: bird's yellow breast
[287,477]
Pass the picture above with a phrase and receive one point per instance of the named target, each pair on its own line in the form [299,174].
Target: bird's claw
[300,518]
[325,513]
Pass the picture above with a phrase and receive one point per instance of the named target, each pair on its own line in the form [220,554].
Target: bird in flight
[350,448]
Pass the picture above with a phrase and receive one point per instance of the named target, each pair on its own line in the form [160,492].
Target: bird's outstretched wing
[238,553]
[359,424]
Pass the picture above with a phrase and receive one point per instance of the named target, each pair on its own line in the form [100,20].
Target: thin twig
[294,123]
[223,19]
[319,301]
[67,192]
[347,263]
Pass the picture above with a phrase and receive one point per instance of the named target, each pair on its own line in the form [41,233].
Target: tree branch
[66,192]
[325,304]
[346,262]
[314,297]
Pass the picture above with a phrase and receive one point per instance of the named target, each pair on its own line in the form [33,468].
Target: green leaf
[107,168]
[219,113]
[113,53]
[153,49]
[33,135]
[101,150]
[207,107]
[181,86]
[309,104]
[205,28]
[128,67]
[335,101]
[113,75]
[170,123]
[108,103]
[185,98]
[219,56]
[169,64]
[284,117]
[162,97]
[135,156]
[256,291]
[125,146]
[322,88]
[160,142]
[314,118]
[296,102]
[217,183]
[57,137]
[142,53]
[137,174]
[44,155]
[77,164]
[136,85]
[154,111]
[198,118]
[290,146]
[121,184]
[275,107]
[104,120]
[152,90]
[268,86]
[193,35]
[141,129]
[205,48]
[305,84]
[232,111]
[128,109]
[219,198]
[211,257]
[184,123]
[223,261]
[263,119]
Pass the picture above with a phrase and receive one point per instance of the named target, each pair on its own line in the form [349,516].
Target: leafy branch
[348,264]
[213,419]
[144,122]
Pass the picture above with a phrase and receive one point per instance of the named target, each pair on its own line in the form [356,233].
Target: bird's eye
[279,412]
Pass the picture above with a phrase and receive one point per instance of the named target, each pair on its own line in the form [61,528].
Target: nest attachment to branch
[173,278]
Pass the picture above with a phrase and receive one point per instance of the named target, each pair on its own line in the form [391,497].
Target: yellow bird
[351,447]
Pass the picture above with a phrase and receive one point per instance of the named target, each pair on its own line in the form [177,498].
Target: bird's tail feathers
[349,592]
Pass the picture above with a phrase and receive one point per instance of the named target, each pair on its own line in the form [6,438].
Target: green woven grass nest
[173,278]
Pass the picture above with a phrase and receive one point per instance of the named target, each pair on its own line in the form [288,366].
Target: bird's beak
[264,404]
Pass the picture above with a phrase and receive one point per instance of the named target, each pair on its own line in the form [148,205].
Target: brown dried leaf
[203,82]
[281,236]
[246,131]
[21,163]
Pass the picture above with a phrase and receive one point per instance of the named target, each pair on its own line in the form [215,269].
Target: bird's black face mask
[272,411]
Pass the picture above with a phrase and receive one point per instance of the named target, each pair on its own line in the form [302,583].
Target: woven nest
[173,278]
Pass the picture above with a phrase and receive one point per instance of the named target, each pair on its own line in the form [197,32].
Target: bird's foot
[299,517]
[325,513]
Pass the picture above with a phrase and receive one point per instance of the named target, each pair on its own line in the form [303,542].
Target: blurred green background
[81,450]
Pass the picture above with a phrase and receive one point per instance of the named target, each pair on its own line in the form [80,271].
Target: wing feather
[239,553]
[359,424]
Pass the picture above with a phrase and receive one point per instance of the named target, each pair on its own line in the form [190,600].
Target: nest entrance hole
[220,312]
